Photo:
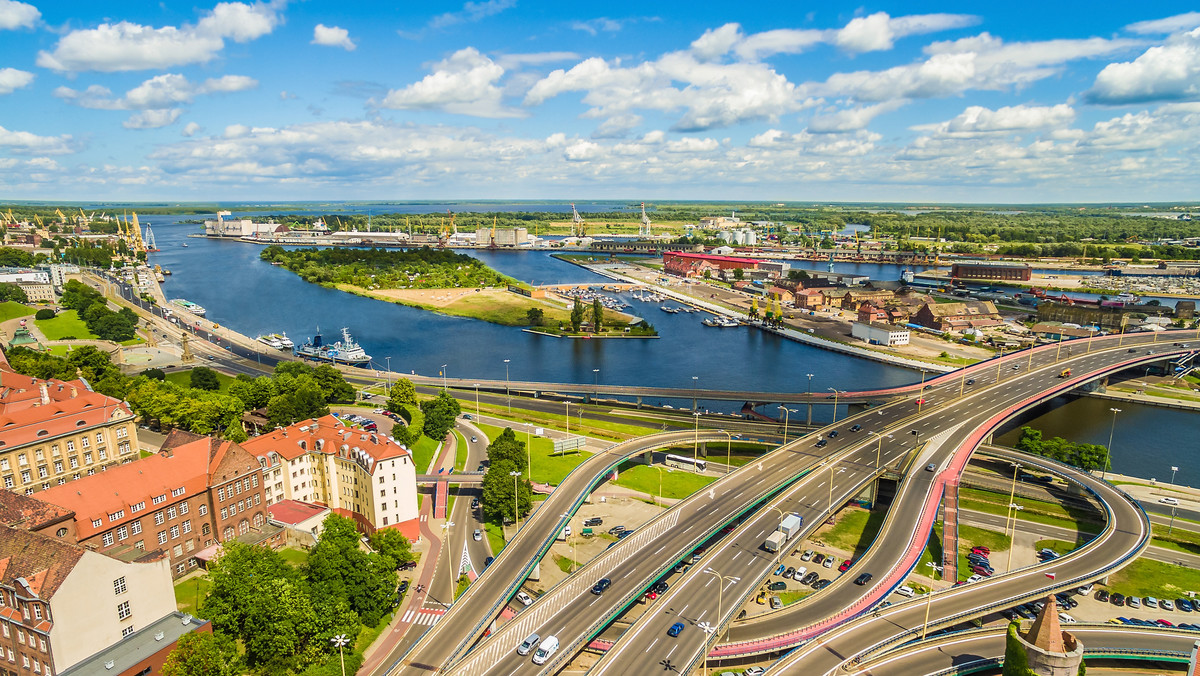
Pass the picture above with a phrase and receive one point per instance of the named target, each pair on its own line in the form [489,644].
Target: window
[224,513]
[162,537]
[96,523]
[187,526]
[107,538]
[136,527]
[123,610]
[58,467]
[87,458]
[8,481]
[25,476]
[203,509]
[122,432]
[180,568]
[220,495]
[178,550]
[84,442]
[255,481]
[122,534]
[160,498]
[70,447]
[171,513]
[74,462]
[204,529]
[177,492]
[127,631]
[99,438]
[158,518]
[43,472]
[102,454]
[238,488]
[21,459]
[117,515]
[91,471]
[119,586]
[174,532]
[183,508]
[189,545]
[134,509]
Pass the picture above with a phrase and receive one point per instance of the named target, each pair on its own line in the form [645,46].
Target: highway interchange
[578,617]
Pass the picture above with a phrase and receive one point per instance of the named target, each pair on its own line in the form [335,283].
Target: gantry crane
[644,230]
[577,229]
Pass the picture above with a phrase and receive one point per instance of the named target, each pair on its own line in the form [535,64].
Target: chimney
[45,393]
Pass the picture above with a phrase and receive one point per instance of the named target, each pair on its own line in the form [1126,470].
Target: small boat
[271,341]
[669,310]
[184,244]
[287,342]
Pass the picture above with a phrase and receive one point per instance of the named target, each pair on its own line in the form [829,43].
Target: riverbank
[493,305]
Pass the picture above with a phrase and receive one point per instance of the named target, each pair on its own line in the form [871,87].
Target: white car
[1065,618]
[800,573]
[1166,604]
[1169,501]
[477,535]
[524,598]
[975,578]
[378,411]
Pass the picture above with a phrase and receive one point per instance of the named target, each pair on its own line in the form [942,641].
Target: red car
[980,549]
[980,570]
[845,565]
[921,401]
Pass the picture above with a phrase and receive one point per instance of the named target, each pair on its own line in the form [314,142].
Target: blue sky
[512,99]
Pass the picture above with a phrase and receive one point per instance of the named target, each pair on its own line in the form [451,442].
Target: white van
[545,650]
[906,591]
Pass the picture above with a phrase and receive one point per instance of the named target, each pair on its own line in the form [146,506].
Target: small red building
[684,264]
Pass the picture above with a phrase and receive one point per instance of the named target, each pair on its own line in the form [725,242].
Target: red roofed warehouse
[53,431]
[358,474]
[694,264]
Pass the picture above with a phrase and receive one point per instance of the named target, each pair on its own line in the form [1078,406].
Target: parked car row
[1153,623]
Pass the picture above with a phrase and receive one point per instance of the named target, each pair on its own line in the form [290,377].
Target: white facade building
[877,333]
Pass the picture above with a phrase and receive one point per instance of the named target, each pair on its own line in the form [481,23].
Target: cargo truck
[791,525]
[775,541]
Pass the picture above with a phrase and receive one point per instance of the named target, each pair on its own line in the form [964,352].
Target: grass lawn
[1061,547]
[1144,577]
[564,564]
[367,635]
[422,452]
[295,557]
[188,591]
[1038,511]
[855,530]
[675,483]
[184,379]
[60,350]
[463,583]
[591,428]
[495,536]
[136,340]
[66,324]
[547,468]
[790,597]
[12,309]
[460,451]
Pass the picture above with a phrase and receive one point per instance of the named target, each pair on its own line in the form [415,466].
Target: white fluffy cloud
[333,36]
[15,14]
[851,119]
[464,83]
[1171,24]
[123,46]
[190,129]
[1167,72]
[157,98]
[976,120]
[12,79]
[153,119]
[23,142]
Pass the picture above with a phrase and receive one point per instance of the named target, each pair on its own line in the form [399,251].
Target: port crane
[644,230]
[492,243]
[578,229]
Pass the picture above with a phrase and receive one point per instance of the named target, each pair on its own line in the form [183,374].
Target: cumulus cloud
[471,12]
[333,36]
[851,119]
[1171,24]
[1168,72]
[123,46]
[23,142]
[464,83]
[977,120]
[15,14]
[12,79]
[190,129]
[514,61]
[158,98]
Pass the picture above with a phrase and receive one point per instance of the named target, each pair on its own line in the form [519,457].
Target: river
[243,292]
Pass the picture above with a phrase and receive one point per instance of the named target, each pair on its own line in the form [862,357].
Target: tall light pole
[477,401]
[696,444]
[810,377]
[1012,494]
[444,378]
[660,481]
[567,403]
[596,383]
[516,510]
[998,360]
[695,388]
[1174,469]
[835,402]
[340,641]
[721,579]
[785,422]
[928,603]
[388,360]
[728,450]
[1108,451]
[446,543]
[507,392]
[879,450]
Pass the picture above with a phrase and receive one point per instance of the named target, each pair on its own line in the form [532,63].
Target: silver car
[528,644]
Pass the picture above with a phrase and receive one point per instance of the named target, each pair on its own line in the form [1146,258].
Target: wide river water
[252,297]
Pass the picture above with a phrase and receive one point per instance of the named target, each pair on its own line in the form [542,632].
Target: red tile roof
[29,513]
[32,409]
[98,496]
[711,258]
[293,512]
[41,560]
[326,435]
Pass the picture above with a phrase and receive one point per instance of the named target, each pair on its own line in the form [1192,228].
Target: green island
[450,283]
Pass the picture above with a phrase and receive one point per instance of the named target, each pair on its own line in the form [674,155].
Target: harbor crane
[578,229]
[492,243]
[644,230]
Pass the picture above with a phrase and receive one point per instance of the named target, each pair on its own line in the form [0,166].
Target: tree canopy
[1084,456]
[440,413]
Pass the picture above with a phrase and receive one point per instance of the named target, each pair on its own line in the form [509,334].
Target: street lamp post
[340,641]
[596,383]
[810,377]
[388,360]
[835,402]
[785,422]
[444,378]
[728,450]
[721,579]
[516,510]
[696,444]
[1174,469]
[567,403]
[477,401]
[660,481]
[446,543]
[1108,451]
[1171,526]
[879,450]
[928,602]
[998,360]
[831,466]
[507,391]
[695,391]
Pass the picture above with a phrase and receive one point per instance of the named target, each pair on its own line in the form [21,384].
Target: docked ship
[345,351]
[721,322]
[279,341]
[191,307]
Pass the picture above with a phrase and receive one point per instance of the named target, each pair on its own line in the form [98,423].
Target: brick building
[193,494]
[1008,271]
[61,602]
[358,474]
[54,431]
[684,264]
[973,314]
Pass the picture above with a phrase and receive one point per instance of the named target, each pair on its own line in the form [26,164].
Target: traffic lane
[1123,539]
[467,619]
[477,443]
[562,613]
[960,651]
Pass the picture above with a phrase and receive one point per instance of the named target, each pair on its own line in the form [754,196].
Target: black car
[970,381]
[822,442]
[818,558]
[600,586]
[821,584]
[789,573]
[1102,596]
[856,428]
[408,565]
[659,587]
[777,586]
[474,503]
[488,561]
[810,578]
[403,587]
[594,521]
[1117,599]
[616,530]
[862,579]
[833,433]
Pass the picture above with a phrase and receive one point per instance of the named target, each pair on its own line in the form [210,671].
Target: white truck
[791,525]
[775,541]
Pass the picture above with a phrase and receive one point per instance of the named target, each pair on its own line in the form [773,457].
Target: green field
[1144,577]
[855,530]
[547,468]
[188,591]
[184,379]
[66,324]
[11,310]
[676,484]
[460,451]
[422,453]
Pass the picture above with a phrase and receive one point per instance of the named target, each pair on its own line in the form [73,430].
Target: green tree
[237,578]
[299,399]
[333,384]
[597,315]
[338,569]
[440,413]
[154,374]
[402,393]
[1030,441]
[739,274]
[498,492]
[535,316]
[44,313]
[1016,662]
[204,378]
[392,544]
[576,316]
[203,653]
[506,446]
[9,291]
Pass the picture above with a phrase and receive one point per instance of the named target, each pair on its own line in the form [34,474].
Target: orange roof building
[54,431]
[363,475]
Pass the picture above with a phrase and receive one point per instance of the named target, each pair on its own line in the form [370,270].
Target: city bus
[684,462]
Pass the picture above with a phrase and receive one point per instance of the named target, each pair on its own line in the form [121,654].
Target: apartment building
[53,432]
